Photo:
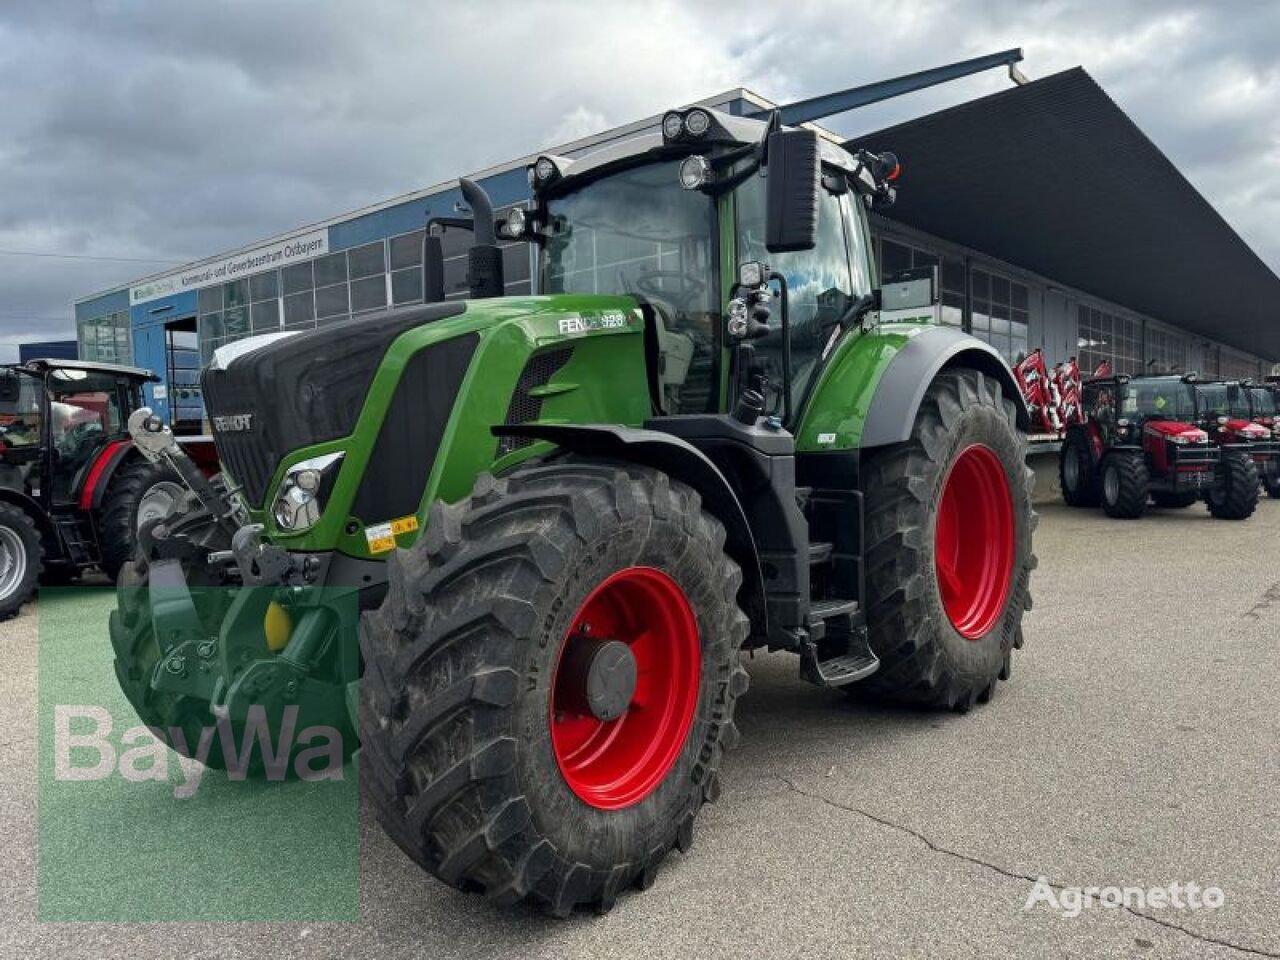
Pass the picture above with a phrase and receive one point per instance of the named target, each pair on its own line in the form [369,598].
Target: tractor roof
[43,365]
[725,130]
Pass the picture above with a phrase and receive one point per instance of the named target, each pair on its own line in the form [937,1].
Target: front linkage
[218,633]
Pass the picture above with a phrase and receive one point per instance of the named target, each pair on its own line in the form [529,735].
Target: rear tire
[21,553]
[1234,495]
[929,656]
[1076,475]
[1125,485]
[460,705]
[134,480]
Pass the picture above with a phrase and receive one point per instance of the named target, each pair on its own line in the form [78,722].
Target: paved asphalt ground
[1135,745]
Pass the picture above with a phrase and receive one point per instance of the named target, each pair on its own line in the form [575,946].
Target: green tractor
[560,519]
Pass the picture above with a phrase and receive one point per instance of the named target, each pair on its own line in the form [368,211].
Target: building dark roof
[1054,177]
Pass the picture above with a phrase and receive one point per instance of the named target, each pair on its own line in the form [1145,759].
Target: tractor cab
[747,280]
[57,418]
[1224,411]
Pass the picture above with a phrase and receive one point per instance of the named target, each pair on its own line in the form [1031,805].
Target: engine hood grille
[300,390]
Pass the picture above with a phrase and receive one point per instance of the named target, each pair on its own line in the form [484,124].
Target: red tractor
[73,490]
[1264,410]
[1225,412]
[1139,443]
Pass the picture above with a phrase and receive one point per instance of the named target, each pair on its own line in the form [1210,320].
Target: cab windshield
[1264,402]
[1159,400]
[19,409]
[637,232]
[1215,400]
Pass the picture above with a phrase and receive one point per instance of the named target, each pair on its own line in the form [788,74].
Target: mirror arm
[860,308]
[460,223]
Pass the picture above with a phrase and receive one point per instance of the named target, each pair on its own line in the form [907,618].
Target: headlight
[303,492]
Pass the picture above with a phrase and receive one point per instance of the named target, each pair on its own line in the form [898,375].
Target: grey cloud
[175,131]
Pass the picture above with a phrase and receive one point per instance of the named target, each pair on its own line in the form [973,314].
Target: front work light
[543,172]
[514,225]
[303,491]
[697,122]
[695,172]
[672,126]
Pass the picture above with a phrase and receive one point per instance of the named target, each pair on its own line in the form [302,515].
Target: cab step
[836,651]
[820,553]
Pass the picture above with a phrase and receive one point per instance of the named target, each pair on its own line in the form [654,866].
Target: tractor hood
[1175,428]
[1245,429]
[270,395]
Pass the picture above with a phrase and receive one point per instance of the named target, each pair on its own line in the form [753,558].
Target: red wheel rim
[611,764]
[973,543]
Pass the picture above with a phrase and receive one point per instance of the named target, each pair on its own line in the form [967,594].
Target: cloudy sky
[162,132]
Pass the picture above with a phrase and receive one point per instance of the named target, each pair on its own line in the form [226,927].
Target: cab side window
[820,287]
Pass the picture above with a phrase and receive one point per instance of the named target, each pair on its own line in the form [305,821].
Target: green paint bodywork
[833,416]
[604,382]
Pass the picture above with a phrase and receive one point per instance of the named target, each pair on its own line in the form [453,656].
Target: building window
[105,339]
[264,302]
[406,264]
[1001,312]
[1233,365]
[1166,351]
[1108,337]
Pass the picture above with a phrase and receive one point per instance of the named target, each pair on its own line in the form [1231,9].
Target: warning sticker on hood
[381,537]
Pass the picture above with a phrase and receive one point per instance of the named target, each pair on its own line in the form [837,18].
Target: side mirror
[792,191]
[910,290]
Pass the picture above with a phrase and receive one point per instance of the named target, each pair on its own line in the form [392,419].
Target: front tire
[949,524]
[1271,480]
[1125,485]
[1076,475]
[487,766]
[21,553]
[1234,495]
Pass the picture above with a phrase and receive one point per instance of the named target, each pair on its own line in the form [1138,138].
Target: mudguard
[98,477]
[686,463]
[868,394]
[908,375]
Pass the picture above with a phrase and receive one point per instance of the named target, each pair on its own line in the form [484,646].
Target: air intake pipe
[484,259]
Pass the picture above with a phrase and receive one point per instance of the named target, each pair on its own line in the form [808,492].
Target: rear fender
[97,479]
[678,459]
